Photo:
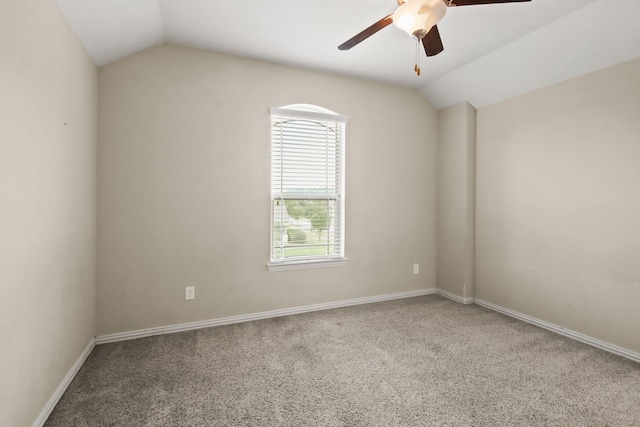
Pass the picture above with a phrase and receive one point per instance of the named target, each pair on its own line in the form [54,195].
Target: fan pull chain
[416,68]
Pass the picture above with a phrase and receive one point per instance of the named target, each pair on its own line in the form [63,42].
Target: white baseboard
[457,298]
[140,333]
[122,336]
[562,331]
[46,411]
[102,339]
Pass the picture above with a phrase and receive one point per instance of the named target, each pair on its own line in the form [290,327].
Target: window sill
[299,265]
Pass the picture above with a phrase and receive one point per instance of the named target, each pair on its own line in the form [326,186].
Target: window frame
[324,117]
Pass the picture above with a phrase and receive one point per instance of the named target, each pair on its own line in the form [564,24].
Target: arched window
[307,187]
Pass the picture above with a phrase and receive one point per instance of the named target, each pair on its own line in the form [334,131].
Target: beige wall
[183,196]
[456,200]
[558,204]
[48,116]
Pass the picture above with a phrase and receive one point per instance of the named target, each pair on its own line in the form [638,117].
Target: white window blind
[307,185]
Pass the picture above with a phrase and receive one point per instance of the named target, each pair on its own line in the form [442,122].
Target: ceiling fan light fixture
[417,17]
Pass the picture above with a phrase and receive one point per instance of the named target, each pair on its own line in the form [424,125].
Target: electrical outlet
[416,268]
[189,293]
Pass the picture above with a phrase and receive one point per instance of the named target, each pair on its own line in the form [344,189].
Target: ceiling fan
[419,19]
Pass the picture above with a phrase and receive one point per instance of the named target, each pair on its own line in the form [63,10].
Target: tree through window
[307,185]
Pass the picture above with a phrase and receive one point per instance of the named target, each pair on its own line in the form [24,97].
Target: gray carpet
[424,361]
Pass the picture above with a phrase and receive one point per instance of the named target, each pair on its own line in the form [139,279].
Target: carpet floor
[423,361]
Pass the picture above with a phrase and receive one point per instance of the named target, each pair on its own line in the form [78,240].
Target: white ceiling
[492,52]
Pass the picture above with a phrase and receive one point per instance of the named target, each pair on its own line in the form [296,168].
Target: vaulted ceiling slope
[492,52]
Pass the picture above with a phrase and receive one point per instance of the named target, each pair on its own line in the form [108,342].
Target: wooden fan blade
[366,33]
[474,2]
[432,42]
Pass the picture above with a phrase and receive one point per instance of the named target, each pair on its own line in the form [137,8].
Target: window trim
[303,264]
[320,114]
